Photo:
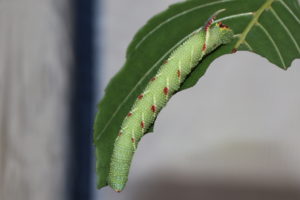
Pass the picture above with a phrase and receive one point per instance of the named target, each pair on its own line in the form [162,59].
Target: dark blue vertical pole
[82,101]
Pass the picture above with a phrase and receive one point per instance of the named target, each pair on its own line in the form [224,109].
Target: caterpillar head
[221,33]
[226,34]
[218,31]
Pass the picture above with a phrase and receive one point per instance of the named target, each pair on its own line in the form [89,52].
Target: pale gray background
[239,124]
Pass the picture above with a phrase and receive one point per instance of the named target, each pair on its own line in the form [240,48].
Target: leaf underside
[269,28]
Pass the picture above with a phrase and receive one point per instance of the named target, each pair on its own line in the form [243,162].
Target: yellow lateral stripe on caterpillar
[160,89]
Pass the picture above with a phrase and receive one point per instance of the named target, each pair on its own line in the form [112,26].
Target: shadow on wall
[166,188]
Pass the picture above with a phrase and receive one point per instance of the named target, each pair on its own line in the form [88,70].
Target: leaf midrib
[253,22]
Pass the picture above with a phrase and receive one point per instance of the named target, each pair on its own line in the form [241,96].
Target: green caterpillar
[157,93]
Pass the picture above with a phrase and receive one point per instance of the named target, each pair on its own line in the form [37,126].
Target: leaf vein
[248,45]
[288,8]
[273,43]
[286,29]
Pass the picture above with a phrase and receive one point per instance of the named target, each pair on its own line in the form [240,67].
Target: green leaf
[269,28]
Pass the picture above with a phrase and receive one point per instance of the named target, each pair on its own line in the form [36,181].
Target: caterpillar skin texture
[157,93]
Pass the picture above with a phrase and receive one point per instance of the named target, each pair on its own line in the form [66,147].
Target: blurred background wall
[35,68]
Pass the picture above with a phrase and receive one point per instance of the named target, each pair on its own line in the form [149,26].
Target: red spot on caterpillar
[142,124]
[140,96]
[132,140]
[178,73]
[153,108]
[166,61]
[234,50]
[129,114]
[204,47]
[223,26]
[120,133]
[166,91]
[153,79]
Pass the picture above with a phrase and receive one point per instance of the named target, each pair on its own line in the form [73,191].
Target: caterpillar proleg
[158,91]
